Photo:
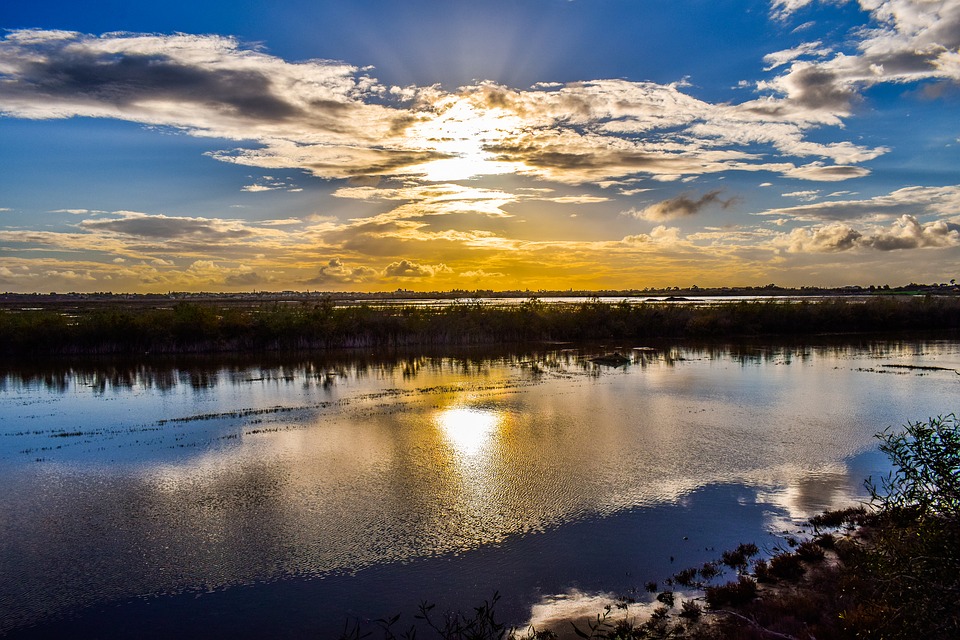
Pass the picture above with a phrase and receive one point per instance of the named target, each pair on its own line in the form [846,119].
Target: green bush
[927,475]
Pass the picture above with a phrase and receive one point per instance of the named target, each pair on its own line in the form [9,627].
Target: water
[280,498]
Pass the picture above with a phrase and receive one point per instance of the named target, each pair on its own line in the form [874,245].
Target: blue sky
[529,144]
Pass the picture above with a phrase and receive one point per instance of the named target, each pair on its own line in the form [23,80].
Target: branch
[753,623]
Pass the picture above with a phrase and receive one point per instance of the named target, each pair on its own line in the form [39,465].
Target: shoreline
[194,328]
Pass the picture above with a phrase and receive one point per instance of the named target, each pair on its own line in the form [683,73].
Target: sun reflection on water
[468,429]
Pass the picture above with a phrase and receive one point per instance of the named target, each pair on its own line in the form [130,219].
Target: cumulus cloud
[335,272]
[907,232]
[244,278]
[681,206]
[410,269]
[906,41]
[835,236]
[661,234]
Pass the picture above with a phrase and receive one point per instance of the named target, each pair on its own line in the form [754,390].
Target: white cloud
[835,236]
[938,201]
[807,195]
[780,58]
[333,121]
[783,9]
[905,233]
[909,233]
[661,235]
[906,41]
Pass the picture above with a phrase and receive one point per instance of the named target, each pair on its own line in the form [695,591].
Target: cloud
[209,86]
[161,227]
[681,206]
[822,173]
[780,58]
[835,236]
[583,199]
[480,274]
[906,41]
[661,234]
[908,233]
[269,183]
[244,279]
[808,195]
[333,121]
[905,233]
[939,201]
[783,9]
[335,272]
[408,269]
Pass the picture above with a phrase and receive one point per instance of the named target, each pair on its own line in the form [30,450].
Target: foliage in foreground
[889,572]
[197,327]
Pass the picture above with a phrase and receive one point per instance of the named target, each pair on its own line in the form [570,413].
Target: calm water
[234,499]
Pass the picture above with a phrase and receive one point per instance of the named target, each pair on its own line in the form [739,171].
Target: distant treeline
[197,328]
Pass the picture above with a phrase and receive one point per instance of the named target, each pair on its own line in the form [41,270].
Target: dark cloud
[831,173]
[167,228]
[682,206]
[818,88]
[127,79]
[246,279]
[336,272]
[536,156]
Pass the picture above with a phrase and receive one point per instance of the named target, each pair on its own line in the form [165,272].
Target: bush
[927,476]
[735,593]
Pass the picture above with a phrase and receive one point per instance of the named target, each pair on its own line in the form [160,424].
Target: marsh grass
[208,327]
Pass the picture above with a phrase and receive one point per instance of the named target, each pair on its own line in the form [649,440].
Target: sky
[376,145]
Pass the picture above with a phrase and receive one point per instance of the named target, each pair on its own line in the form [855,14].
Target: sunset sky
[507,144]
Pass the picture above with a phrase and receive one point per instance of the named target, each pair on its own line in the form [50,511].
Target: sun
[462,130]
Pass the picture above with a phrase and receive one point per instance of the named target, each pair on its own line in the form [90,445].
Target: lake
[286,496]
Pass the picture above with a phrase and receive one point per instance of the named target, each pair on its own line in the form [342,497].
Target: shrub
[735,593]
[927,476]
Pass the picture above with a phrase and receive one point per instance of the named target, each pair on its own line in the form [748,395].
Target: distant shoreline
[10,300]
[145,326]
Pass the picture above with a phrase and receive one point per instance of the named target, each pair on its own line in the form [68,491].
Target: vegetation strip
[189,327]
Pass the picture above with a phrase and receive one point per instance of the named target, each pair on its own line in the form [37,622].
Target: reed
[208,327]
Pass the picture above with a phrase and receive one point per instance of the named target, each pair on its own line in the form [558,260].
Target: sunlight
[462,130]
[468,429]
